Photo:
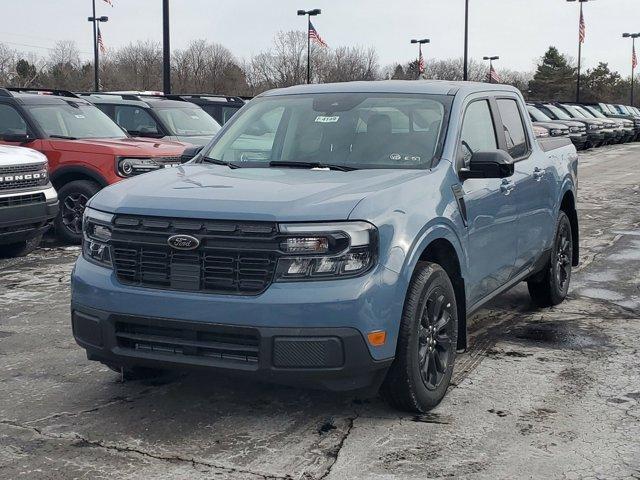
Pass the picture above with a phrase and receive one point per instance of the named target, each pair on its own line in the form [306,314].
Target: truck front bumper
[22,216]
[311,334]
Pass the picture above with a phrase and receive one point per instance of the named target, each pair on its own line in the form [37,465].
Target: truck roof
[144,100]
[433,87]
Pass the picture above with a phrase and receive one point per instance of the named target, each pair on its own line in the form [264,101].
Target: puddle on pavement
[558,335]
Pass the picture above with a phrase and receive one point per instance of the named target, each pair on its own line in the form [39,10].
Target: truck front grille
[22,200]
[22,176]
[233,344]
[232,258]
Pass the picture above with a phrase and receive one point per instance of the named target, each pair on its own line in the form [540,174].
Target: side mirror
[488,164]
[16,137]
[190,152]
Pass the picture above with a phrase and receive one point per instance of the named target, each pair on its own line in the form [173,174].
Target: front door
[491,209]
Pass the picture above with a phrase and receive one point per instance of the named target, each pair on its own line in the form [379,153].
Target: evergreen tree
[554,79]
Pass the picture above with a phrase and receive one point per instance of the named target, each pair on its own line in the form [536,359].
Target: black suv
[156,116]
[220,107]
[595,128]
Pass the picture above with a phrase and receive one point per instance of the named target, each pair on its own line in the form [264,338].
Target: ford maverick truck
[28,201]
[335,236]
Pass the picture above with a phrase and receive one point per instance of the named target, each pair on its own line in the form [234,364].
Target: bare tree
[207,67]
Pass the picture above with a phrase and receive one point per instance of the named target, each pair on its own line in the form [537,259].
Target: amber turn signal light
[377,338]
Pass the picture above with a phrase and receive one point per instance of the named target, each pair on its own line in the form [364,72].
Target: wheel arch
[441,245]
[64,175]
[568,206]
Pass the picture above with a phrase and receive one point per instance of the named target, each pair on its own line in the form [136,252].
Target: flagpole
[96,80]
[579,54]
[308,49]
[633,67]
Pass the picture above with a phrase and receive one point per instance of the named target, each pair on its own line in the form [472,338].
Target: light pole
[166,49]
[465,69]
[491,59]
[420,57]
[309,14]
[634,58]
[95,20]
[581,37]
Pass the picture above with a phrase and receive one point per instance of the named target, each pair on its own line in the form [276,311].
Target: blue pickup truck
[334,236]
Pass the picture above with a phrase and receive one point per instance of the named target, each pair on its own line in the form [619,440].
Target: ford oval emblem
[183,242]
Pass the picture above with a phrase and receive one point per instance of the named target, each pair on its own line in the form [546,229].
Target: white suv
[28,201]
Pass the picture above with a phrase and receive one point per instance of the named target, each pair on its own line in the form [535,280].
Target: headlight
[594,127]
[556,132]
[128,167]
[96,227]
[574,129]
[325,251]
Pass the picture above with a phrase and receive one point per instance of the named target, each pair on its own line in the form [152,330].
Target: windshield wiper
[63,137]
[283,163]
[216,161]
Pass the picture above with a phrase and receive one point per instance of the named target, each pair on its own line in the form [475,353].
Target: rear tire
[420,374]
[551,285]
[20,249]
[73,199]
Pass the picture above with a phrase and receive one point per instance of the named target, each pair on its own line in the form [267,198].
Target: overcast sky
[519,31]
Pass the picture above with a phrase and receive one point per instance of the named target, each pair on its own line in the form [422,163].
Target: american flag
[583,29]
[103,50]
[493,76]
[315,36]
[634,58]
[421,66]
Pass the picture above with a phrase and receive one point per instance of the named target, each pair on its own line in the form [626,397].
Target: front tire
[73,200]
[550,287]
[20,249]
[420,374]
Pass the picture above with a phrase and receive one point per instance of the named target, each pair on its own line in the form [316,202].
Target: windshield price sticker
[323,119]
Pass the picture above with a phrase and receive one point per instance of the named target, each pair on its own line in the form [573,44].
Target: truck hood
[13,156]
[138,147]
[269,194]
[197,140]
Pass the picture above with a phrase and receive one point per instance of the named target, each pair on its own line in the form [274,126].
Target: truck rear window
[355,130]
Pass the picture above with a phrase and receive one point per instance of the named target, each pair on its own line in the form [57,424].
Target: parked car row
[91,140]
[588,125]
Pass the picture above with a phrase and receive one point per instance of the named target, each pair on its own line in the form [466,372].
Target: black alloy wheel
[435,344]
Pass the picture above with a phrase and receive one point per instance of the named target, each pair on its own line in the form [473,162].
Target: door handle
[538,173]
[507,186]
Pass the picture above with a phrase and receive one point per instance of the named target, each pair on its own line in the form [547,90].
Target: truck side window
[513,127]
[478,133]
[135,120]
[11,123]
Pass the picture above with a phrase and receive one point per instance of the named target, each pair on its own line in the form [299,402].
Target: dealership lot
[551,392]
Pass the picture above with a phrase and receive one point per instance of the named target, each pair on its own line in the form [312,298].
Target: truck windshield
[574,111]
[538,115]
[585,113]
[351,130]
[557,112]
[594,111]
[74,120]
[188,121]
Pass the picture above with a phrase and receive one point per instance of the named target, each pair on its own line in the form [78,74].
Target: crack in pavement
[338,448]
[112,447]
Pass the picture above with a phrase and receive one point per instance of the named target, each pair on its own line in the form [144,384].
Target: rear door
[534,179]
[490,205]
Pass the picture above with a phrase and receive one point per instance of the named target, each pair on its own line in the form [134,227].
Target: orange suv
[85,148]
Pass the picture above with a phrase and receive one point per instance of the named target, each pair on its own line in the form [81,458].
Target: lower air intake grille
[234,344]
